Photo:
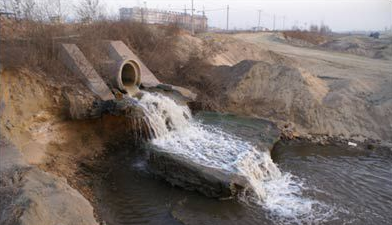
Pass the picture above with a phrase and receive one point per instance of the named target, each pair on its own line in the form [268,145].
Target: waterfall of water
[176,131]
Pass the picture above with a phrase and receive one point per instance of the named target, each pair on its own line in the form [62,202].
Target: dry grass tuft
[310,37]
[34,44]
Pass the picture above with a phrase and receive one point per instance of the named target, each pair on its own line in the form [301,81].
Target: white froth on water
[279,193]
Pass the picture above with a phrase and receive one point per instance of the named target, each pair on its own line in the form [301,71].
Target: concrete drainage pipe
[127,76]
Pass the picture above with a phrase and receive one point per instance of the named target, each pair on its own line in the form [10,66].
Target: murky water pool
[339,185]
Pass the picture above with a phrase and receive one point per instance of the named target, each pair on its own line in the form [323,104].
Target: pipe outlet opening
[129,75]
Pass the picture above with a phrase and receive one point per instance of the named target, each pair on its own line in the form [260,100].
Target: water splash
[279,193]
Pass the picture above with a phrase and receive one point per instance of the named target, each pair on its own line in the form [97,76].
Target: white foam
[277,192]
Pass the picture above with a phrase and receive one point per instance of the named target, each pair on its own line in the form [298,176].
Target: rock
[189,175]
[185,92]
[82,106]
[30,196]
[88,107]
[48,200]
[8,125]
[188,95]
[165,87]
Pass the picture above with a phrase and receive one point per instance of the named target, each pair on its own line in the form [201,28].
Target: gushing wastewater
[278,192]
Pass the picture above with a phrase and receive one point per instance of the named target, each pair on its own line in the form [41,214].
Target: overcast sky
[340,15]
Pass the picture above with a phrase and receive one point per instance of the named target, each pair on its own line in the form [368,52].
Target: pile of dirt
[362,45]
[229,51]
[294,97]
[307,91]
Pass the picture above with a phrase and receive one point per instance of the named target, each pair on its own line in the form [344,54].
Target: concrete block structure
[123,71]
[76,62]
[118,51]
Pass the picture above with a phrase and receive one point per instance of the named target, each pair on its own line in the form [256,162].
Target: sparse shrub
[34,44]
[310,37]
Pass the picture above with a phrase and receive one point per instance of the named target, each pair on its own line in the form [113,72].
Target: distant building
[56,19]
[153,16]
[256,29]
[7,15]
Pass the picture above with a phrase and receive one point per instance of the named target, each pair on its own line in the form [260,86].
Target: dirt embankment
[293,96]
[46,181]
[306,91]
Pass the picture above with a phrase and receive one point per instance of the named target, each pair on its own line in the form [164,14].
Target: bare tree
[29,9]
[12,6]
[295,28]
[4,6]
[324,29]
[88,10]
[314,28]
[26,9]
[55,9]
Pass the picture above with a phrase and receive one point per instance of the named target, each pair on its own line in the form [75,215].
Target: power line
[210,10]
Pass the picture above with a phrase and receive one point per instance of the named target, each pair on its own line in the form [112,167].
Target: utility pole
[192,25]
[60,13]
[204,28]
[185,20]
[274,22]
[258,25]
[146,12]
[227,19]
[142,12]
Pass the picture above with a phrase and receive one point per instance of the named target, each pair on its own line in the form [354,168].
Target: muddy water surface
[349,185]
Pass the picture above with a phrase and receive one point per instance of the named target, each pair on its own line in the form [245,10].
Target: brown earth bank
[45,155]
[308,91]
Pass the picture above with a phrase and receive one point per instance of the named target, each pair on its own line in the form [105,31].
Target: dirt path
[336,64]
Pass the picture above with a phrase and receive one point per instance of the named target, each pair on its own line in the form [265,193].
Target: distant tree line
[46,10]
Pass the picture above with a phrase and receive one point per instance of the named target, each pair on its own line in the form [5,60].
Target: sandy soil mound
[363,46]
[229,51]
[288,94]
[318,92]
